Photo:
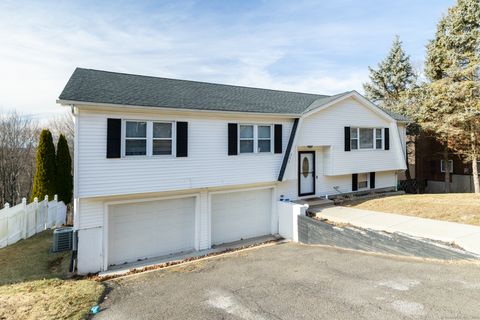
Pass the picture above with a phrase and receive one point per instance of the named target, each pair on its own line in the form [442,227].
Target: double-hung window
[378,138]
[148,138]
[362,181]
[162,138]
[255,138]
[246,138]
[366,138]
[353,138]
[135,138]
[264,139]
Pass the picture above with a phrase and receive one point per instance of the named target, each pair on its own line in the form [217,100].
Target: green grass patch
[35,284]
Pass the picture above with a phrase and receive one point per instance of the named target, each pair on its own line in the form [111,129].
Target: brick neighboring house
[430,168]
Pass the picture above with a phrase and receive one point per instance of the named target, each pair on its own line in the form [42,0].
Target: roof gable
[333,100]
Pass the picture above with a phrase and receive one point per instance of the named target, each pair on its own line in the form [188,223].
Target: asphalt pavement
[294,281]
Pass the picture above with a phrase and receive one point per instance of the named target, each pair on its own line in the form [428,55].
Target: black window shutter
[347,138]
[387,139]
[182,139]
[232,139]
[372,180]
[354,182]
[114,137]
[278,138]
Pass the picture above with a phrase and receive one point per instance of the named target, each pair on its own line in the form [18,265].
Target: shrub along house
[164,166]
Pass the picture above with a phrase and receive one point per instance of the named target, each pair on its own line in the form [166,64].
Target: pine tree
[391,87]
[44,180]
[392,79]
[452,107]
[64,178]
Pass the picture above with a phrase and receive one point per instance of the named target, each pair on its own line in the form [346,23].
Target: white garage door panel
[241,215]
[150,229]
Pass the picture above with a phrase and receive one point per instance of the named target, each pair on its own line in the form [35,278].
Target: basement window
[362,181]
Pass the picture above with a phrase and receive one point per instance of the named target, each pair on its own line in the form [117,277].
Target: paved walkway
[463,235]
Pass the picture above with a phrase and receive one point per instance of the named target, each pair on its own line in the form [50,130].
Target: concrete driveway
[293,281]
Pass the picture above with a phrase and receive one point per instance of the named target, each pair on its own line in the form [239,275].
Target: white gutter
[173,109]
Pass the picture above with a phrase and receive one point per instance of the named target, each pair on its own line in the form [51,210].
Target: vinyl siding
[91,210]
[207,164]
[326,128]
[325,184]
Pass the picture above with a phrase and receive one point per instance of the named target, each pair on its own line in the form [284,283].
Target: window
[354,138]
[255,138]
[264,138]
[135,138]
[246,139]
[450,166]
[378,139]
[162,138]
[366,138]
[148,138]
[362,181]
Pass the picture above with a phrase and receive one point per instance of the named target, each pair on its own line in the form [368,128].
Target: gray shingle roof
[95,86]
[395,115]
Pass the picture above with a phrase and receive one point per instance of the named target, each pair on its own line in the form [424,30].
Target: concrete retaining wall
[312,231]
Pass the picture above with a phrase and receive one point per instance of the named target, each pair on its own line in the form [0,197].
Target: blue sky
[311,46]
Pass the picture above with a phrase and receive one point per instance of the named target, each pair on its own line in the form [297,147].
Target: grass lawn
[34,283]
[455,207]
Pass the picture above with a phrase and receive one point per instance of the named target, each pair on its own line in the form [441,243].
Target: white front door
[306,173]
[241,215]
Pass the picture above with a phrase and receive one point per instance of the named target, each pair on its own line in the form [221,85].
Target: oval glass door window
[305,167]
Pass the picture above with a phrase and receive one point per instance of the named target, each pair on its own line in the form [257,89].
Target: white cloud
[42,43]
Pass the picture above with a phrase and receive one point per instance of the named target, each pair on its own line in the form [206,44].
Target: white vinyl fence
[24,220]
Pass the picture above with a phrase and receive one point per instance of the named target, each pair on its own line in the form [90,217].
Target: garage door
[241,215]
[150,229]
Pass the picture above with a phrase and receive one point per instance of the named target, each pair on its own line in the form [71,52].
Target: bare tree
[18,138]
[62,124]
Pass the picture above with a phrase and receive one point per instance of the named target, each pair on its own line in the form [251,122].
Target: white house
[164,166]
